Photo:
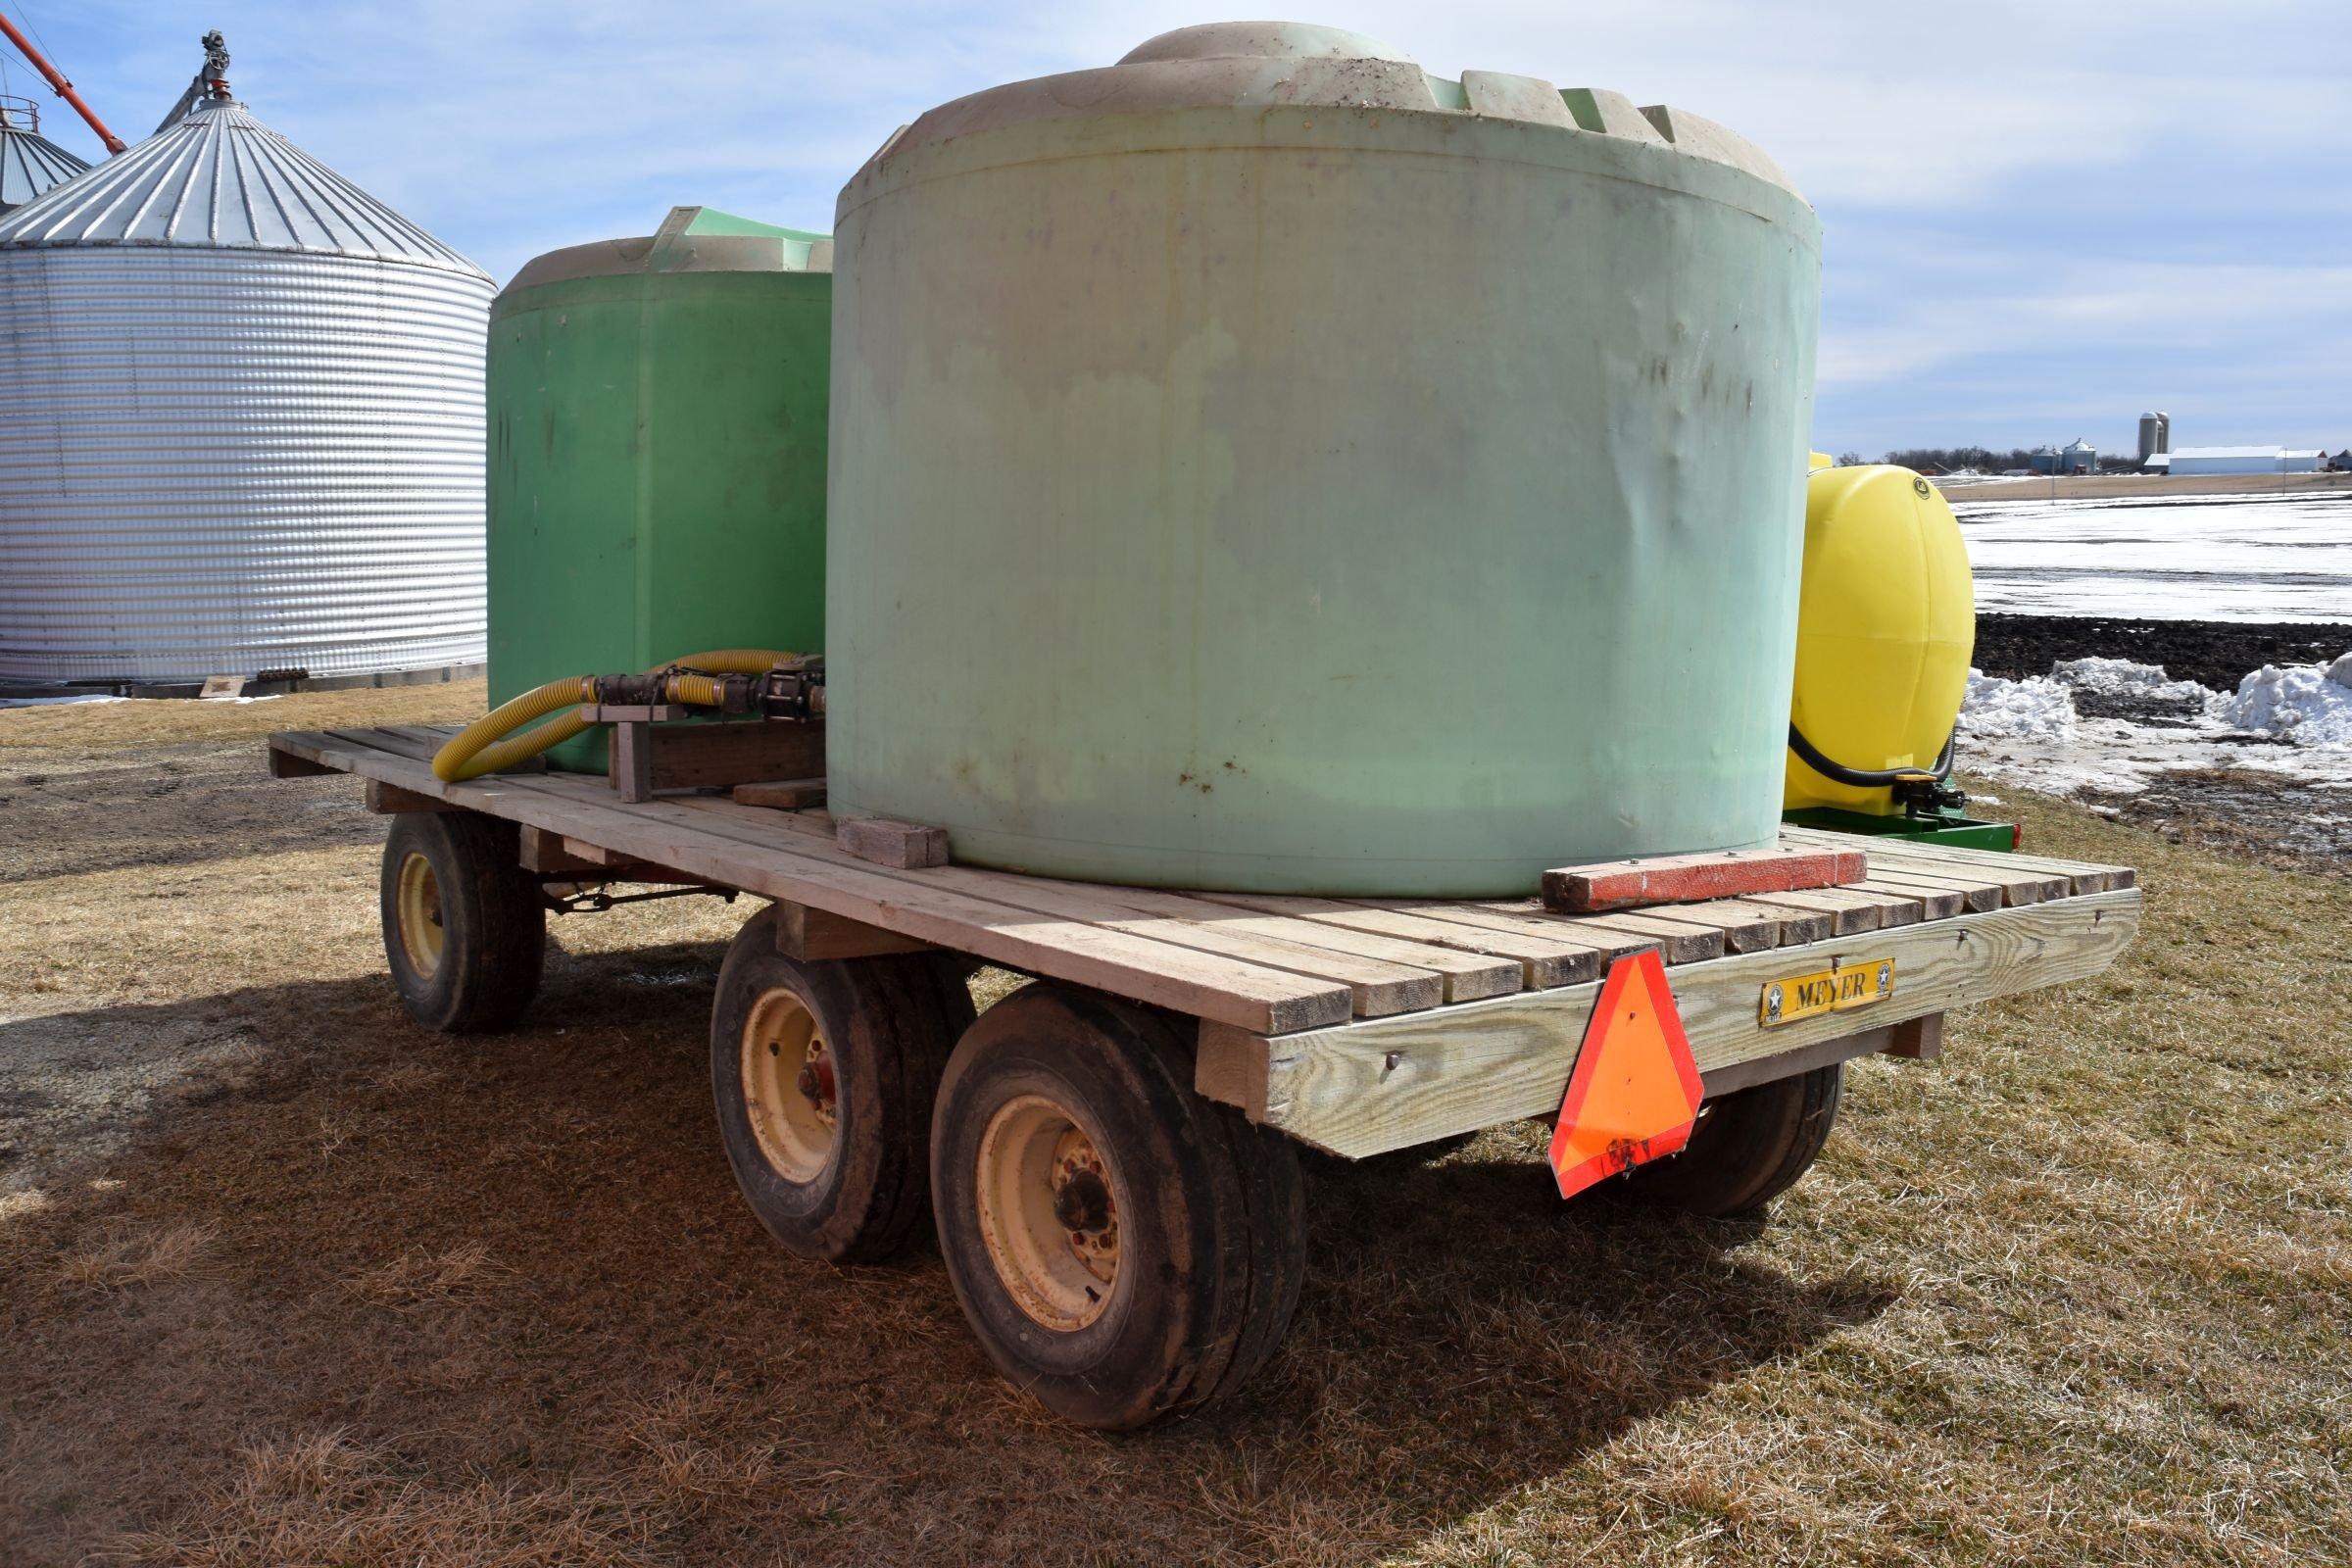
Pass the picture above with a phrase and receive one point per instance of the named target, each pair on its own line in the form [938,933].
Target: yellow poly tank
[1886,624]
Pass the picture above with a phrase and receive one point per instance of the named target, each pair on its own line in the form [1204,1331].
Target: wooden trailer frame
[1355,1025]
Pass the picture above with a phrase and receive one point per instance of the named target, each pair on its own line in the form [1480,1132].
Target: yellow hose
[470,753]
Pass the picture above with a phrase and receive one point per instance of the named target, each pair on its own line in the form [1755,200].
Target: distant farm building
[2246,460]
[2076,457]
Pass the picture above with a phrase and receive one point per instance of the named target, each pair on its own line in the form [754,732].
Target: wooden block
[550,854]
[285,765]
[886,841]
[543,853]
[783,795]
[720,756]
[813,935]
[389,799]
[222,686]
[629,762]
[1697,878]
[1919,1039]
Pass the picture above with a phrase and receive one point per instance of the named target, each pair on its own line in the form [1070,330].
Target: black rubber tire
[1212,1210]
[493,922]
[1747,1149]
[885,1024]
[951,973]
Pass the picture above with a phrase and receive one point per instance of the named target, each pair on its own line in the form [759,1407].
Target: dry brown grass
[128,1261]
[2081,1294]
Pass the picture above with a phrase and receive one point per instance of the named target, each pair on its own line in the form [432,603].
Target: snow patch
[2121,677]
[2016,709]
[2301,703]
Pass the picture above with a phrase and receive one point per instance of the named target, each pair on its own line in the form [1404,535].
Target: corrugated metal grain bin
[1263,464]
[244,427]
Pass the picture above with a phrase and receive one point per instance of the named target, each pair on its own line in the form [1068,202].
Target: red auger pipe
[65,88]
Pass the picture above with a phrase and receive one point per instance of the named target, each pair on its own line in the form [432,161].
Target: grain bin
[30,161]
[245,422]
[657,452]
[1262,464]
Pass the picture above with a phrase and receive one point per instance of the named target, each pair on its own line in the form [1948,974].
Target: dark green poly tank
[657,457]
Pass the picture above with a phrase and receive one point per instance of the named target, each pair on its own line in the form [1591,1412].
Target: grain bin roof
[219,180]
[30,163]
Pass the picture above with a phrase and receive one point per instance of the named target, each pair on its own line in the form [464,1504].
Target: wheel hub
[791,1094]
[422,936]
[1048,1212]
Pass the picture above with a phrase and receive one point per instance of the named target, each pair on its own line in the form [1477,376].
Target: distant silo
[30,161]
[244,427]
[2078,456]
[2164,431]
[2151,435]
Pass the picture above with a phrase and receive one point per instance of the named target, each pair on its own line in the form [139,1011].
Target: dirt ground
[284,1279]
[2211,653]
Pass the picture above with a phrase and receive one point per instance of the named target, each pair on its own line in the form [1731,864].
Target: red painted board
[1695,878]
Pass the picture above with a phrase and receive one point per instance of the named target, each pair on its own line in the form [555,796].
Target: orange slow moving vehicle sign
[1635,1091]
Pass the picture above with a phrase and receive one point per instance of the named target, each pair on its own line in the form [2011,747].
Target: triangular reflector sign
[1636,1091]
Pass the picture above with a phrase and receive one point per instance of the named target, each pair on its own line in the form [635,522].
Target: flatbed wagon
[1137,1112]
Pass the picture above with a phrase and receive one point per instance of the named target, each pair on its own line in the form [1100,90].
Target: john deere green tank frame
[1944,827]
[657,466]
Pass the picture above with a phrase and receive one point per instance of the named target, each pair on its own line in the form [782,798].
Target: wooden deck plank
[1676,941]
[1473,969]
[1797,926]
[1360,1089]
[1977,895]
[2017,884]
[2083,876]
[1745,929]
[821,876]
[1255,962]
[1378,988]
[1846,919]
[1577,954]
[1934,903]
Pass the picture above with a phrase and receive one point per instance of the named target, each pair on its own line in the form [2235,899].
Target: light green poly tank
[1262,464]
[657,452]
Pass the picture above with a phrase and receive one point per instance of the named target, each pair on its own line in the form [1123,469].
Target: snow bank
[2031,708]
[2302,702]
[2121,677]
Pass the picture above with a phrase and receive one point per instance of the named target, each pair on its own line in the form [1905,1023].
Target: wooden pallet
[1391,977]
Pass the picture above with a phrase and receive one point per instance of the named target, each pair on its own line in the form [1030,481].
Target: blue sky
[2039,219]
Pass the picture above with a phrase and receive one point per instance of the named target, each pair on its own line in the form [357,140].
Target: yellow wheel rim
[1048,1212]
[789,1089]
[422,937]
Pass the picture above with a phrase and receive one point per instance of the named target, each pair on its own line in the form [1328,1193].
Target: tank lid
[691,239]
[1297,64]
[219,180]
[1262,40]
